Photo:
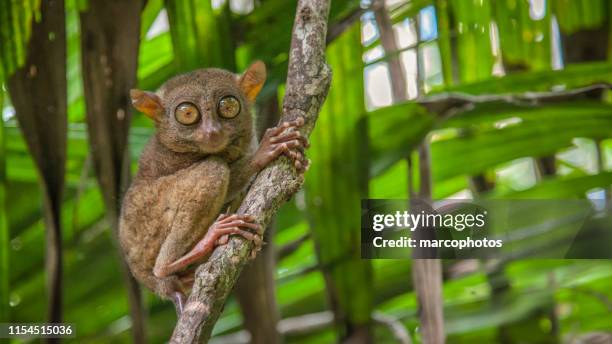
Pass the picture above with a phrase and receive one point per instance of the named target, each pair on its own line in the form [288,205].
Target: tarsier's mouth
[216,146]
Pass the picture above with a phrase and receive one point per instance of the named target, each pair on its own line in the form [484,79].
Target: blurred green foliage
[484,47]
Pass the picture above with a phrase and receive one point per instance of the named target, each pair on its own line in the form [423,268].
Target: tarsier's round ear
[252,80]
[147,103]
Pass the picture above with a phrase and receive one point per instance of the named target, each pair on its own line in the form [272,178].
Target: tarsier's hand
[283,139]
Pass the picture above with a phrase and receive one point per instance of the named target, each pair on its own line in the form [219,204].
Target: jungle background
[69,142]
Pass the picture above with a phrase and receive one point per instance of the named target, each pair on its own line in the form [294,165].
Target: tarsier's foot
[244,221]
[284,139]
[218,234]
[178,298]
[256,238]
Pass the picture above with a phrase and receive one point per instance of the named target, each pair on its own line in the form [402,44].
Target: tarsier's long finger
[302,165]
[274,131]
[289,136]
[253,254]
[222,216]
[258,246]
[233,217]
[298,122]
[306,164]
[245,234]
[292,154]
[299,159]
[222,240]
[280,148]
[242,224]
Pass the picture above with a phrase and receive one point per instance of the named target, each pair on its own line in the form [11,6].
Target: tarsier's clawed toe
[300,162]
[178,298]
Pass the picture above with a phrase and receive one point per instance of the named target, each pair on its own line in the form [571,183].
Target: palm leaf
[198,35]
[43,122]
[109,65]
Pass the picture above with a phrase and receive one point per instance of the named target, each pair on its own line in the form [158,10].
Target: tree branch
[399,331]
[308,81]
[346,22]
[256,287]
[284,251]
[453,103]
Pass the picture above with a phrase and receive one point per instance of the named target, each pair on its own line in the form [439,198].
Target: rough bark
[38,92]
[308,81]
[256,287]
[110,37]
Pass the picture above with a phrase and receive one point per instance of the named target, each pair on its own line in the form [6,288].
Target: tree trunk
[397,74]
[256,287]
[308,81]
[427,276]
[427,273]
[256,292]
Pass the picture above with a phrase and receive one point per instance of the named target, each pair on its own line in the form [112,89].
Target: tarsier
[202,157]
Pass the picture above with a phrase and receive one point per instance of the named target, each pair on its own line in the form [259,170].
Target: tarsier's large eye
[229,107]
[187,114]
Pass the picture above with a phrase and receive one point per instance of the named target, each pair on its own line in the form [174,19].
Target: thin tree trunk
[389,43]
[427,276]
[256,287]
[308,82]
[601,167]
[256,292]
[427,273]
[110,37]
[38,92]
[586,44]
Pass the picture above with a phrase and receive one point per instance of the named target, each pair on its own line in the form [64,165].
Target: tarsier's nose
[212,134]
[211,131]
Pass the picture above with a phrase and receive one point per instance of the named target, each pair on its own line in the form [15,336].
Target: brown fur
[185,178]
